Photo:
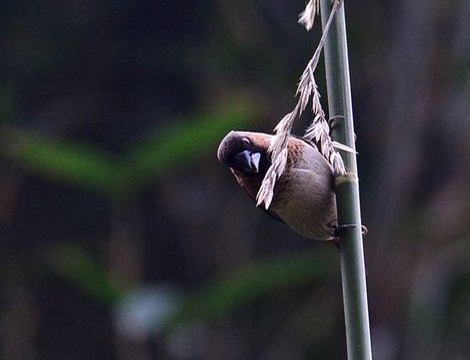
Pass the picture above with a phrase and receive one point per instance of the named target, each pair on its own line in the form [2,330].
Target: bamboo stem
[347,189]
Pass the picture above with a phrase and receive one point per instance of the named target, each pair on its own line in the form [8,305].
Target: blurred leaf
[247,284]
[59,160]
[220,299]
[86,273]
[160,152]
[180,143]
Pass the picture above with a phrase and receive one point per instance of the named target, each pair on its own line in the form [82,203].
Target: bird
[303,197]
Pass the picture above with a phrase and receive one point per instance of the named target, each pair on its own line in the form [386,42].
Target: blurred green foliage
[85,272]
[158,153]
[178,144]
[59,160]
[251,282]
[220,299]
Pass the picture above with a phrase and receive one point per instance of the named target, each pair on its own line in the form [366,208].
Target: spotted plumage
[303,198]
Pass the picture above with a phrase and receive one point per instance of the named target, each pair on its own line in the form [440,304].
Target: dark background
[122,237]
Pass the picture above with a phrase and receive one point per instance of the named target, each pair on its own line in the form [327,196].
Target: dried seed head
[318,132]
[307,17]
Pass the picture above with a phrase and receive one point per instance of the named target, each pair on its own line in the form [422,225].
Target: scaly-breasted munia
[303,196]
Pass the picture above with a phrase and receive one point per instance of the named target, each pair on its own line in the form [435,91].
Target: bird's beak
[255,159]
[248,161]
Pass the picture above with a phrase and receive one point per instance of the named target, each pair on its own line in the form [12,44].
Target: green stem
[347,189]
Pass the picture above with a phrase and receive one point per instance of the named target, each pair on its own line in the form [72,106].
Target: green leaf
[162,151]
[62,161]
[86,273]
[179,144]
[254,281]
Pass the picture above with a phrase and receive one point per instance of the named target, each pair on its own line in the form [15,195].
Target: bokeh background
[123,238]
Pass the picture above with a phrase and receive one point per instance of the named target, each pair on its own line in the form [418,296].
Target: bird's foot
[339,229]
[336,120]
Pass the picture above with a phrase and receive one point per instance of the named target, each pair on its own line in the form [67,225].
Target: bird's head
[245,152]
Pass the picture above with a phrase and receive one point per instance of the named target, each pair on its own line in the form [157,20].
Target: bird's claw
[340,228]
[334,121]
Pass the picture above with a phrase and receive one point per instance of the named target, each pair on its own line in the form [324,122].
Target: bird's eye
[246,143]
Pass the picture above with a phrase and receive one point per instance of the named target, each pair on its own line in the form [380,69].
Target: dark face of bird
[240,152]
[246,154]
